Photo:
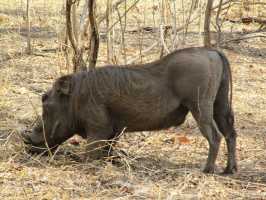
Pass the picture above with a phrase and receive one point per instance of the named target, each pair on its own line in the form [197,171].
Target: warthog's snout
[35,145]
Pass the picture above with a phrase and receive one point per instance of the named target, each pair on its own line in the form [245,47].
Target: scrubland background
[160,165]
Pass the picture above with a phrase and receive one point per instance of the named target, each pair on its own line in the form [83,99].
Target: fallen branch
[248,20]
[244,38]
[149,29]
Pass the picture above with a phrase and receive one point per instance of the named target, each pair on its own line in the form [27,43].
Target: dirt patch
[158,165]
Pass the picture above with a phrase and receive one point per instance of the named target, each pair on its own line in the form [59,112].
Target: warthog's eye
[44,97]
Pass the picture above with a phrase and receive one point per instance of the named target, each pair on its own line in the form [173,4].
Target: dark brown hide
[99,104]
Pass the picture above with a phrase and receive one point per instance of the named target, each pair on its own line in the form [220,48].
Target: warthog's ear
[63,85]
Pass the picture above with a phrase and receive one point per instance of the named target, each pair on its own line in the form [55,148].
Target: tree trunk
[207,38]
[218,24]
[78,62]
[94,35]
[75,22]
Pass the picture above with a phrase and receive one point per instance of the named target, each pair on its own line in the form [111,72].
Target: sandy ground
[159,165]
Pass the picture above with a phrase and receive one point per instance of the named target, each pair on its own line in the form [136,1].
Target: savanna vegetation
[42,40]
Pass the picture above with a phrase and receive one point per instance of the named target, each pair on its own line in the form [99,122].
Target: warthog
[100,103]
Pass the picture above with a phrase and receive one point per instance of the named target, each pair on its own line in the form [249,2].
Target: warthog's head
[56,124]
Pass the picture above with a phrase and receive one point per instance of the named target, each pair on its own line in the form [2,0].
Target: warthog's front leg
[225,124]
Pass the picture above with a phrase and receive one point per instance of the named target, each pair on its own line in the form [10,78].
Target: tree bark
[207,21]
[78,62]
[218,24]
[94,35]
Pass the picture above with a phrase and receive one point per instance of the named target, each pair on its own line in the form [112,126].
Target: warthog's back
[148,97]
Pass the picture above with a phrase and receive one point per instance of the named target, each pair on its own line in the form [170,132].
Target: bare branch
[132,6]
[114,7]
[69,26]
[138,56]
[246,38]
[123,29]
[162,36]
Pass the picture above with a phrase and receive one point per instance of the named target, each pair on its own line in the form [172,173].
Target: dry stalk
[44,134]
[183,17]
[75,22]
[36,160]
[117,21]
[163,32]
[114,7]
[136,57]
[123,29]
[174,16]
[29,50]
[65,49]
[188,19]
[84,23]
[200,16]
[153,14]
[140,42]
[109,36]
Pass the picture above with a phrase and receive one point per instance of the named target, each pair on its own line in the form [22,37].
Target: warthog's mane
[92,89]
[113,79]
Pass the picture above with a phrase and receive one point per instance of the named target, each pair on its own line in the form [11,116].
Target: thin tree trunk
[28,51]
[84,23]
[218,24]
[174,26]
[123,29]
[75,22]
[188,18]
[207,21]
[94,35]
[78,61]
[107,14]
[162,24]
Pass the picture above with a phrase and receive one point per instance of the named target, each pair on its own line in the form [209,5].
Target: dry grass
[158,166]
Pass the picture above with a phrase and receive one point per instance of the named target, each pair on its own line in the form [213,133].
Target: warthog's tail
[227,72]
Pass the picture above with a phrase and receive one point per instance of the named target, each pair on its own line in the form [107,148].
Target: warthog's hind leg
[203,114]
[225,121]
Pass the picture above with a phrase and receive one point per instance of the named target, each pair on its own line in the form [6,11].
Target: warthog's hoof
[230,170]
[208,170]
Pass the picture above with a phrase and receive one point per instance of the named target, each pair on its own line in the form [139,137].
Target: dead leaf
[74,141]
[183,140]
